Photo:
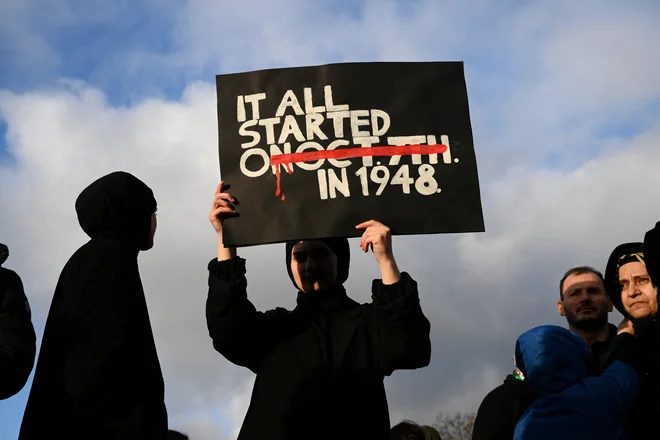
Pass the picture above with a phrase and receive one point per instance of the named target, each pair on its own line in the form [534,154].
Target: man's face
[585,304]
[314,266]
[638,295]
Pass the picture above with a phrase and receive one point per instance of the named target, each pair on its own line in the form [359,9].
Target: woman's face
[314,266]
[638,295]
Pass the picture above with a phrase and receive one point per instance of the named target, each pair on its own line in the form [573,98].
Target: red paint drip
[347,153]
[289,170]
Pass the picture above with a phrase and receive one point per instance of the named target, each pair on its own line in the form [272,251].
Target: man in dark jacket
[632,277]
[98,375]
[585,305]
[17,337]
[320,367]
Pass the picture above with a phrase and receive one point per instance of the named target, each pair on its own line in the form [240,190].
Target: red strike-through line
[348,153]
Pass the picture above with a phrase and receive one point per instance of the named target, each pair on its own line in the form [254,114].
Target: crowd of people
[594,380]
[320,368]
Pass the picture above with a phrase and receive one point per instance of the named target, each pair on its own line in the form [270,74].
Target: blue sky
[565,106]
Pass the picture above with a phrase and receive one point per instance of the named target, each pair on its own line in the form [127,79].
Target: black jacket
[502,408]
[320,367]
[17,337]
[98,375]
[644,416]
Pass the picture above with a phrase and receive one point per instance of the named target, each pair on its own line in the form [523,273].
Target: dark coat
[98,375]
[320,368]
[502,408]
[17,337]
[644,416]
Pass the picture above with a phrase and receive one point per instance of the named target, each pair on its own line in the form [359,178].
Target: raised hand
[378,238]
[221,208]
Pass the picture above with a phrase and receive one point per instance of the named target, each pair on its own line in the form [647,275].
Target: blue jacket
[569,405]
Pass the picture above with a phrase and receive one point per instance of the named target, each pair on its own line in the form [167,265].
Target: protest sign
[311,152]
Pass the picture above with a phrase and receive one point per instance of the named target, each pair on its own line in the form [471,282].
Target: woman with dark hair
[320,367]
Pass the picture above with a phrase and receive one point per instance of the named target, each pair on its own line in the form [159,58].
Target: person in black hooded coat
[320,367]
[17,338]
[98,375]
[634,293]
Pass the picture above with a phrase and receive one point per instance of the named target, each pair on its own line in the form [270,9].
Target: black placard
[311,152]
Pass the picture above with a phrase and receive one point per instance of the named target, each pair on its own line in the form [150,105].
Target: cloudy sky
[565,107]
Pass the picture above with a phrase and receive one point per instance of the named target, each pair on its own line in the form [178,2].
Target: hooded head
[628,283]
[318,265]
[4,253]
[118,205]
[551,358]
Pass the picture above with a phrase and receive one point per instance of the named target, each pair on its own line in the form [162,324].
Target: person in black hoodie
[17,338]
[584,303]
[320,367]
[98,375]
[632,277]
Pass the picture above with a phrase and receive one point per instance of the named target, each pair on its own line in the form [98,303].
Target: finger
[366,224]
[224,199]
[226,196]
[368,240]
[218,189]
[375,236]
[216,213]
[364,243]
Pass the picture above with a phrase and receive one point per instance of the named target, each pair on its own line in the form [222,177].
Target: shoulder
[509,391]
[9,277]
[101,252]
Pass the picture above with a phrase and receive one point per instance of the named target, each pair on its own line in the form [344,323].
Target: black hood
[340,248]
[117,205]
[612,286]
[4,253]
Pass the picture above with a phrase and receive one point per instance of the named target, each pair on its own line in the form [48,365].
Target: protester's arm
[17,337]
[617,388]
[108,365]
[239,332]
[400,330]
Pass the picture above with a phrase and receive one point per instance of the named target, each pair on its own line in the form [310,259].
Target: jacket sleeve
[652,253]
[402,332]
[111,366]
[239,332]
[17,336]
[614,391]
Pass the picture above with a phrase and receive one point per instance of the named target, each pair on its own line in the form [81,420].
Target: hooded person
[567,404]
[320,367]
[98,374]
[17,338]
[632,277]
